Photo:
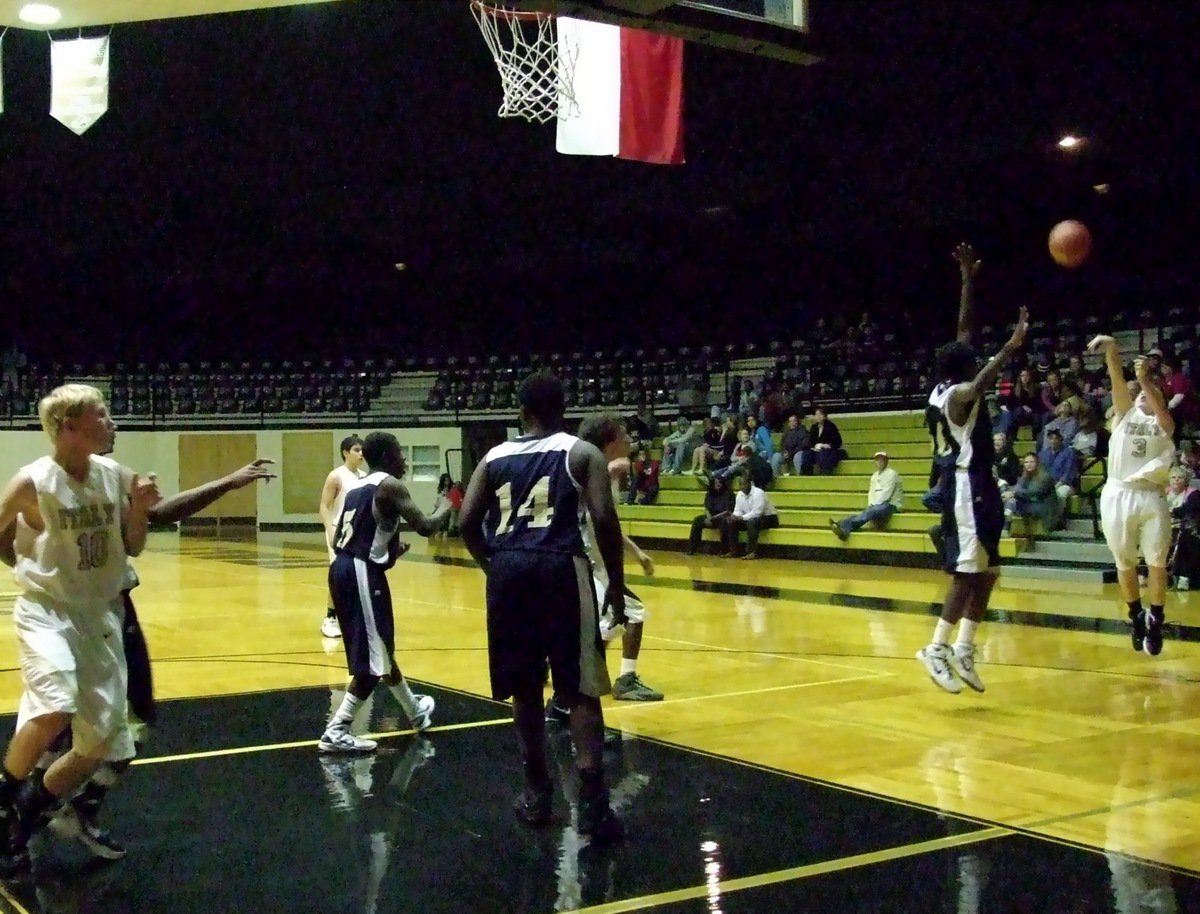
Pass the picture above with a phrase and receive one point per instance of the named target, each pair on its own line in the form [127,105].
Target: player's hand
[259,469]
[1102,343]
[144,493]
[404,547]
[968,263]
[1018,336]
[1141,369]
[614,603]
[646,562]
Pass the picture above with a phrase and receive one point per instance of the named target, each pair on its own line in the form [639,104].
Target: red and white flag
[628,90]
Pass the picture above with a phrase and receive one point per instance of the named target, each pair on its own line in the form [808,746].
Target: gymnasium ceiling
[79,13]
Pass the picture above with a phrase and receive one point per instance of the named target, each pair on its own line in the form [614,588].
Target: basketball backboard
[770,28]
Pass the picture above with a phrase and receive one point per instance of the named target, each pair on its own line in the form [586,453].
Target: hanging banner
[79,82]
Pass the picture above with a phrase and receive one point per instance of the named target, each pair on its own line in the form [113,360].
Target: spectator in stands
[1064,422]
[1184,502]
[764,444]
[728,443]
[1033,495]
[1154,360]
[1180,396]
[449,500]
[643,427]
[826,451]
[709,447]
[1053,393]
[718,505]
[1062,463]
[1006,465]
[1023,407]
[747,403]
[1189,458]
[678,446]
[753,512]
[885,496]
[11,363]
[741,453]
[1091,440]
[643,478]
[795,440]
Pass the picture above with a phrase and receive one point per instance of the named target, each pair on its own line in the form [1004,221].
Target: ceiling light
[1070,142]
[40,14]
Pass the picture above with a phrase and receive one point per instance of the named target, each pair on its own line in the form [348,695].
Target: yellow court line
[8,897]
[629,706]
[792,873]
[307,743]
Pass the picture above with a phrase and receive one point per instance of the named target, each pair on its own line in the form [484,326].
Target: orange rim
[501,12]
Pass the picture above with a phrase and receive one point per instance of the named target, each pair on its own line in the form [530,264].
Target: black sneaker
[1137,623]
[598,822]
[75,824]
[556,713]
[1154,633]
[533,806]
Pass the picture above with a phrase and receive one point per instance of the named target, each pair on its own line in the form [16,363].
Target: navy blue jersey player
[366,544]
[972,512]
[521,519]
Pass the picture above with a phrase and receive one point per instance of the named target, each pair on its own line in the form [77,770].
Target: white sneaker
[330,628]
[345,741]
[962,661]
[936,660]
[1182,583]
[423,719]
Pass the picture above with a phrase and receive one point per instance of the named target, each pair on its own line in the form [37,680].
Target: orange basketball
[1070,243]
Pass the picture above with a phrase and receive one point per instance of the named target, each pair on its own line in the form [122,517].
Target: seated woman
[1184,502]
[718,454]
[825,445]
[1033,496]
[741,455]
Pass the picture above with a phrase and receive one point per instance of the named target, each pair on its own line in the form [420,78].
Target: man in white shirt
[753,511]
[884,498]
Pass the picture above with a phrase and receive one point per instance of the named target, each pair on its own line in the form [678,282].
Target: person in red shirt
[1181,396]
[643,478]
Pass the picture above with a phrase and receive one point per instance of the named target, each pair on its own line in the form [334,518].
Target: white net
[537,80]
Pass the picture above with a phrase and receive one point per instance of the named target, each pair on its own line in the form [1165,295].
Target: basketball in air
[1070,243]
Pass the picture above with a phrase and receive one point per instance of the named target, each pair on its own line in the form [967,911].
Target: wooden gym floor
[801,761]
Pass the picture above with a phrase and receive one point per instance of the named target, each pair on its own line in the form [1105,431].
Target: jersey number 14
[536,506]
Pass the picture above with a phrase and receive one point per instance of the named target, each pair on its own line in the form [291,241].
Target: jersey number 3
[536,506]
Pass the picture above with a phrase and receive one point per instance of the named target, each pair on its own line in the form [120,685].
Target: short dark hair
[377,445]
[348,442]
[955,361]
[541,395]
[600,430]
[1053,432]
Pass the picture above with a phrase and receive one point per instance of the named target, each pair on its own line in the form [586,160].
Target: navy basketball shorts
[972,521]
[541,606]
[137,658]
[363,603]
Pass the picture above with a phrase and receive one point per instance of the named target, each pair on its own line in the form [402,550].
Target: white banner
[79,81]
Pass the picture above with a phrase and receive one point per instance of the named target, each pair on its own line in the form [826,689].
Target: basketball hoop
[537,80]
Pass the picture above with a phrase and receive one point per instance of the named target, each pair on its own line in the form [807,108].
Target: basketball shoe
[330,627]
[936,660]
[422,718]
[1154,632]
[962,662]
[341,740]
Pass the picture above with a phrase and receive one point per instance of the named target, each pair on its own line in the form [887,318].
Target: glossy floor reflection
[233,810]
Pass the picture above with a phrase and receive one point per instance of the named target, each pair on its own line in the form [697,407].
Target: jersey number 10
[536,506]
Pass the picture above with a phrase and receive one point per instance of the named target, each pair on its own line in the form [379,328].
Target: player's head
[542,401]
[352,453]
[382,451]
[956,362]
[607,433]
[76,415]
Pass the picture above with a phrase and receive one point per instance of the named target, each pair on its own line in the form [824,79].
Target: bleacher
[807,503]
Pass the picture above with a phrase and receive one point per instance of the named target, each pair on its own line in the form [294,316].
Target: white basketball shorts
[635,609]
[73,662]
[1135,519]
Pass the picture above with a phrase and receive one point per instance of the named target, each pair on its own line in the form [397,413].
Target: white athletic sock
[966,632]
[942,631]
[346,712]
[404,695]
[628,666]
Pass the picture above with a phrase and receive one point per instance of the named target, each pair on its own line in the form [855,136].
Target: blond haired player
[1133,504]
[333,495]
[89,515]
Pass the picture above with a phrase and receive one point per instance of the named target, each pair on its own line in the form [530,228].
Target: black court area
[232,809]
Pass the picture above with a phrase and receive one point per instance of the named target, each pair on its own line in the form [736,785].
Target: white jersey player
[333,495]
[89,515]
[1133,505]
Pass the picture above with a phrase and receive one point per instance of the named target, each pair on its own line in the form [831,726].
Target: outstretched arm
[192,501]
[1122,402]
[393,501]
[1154,397]
[963,395]
[968,266]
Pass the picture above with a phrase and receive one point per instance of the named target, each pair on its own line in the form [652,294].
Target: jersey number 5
[536,506]
[347,529]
